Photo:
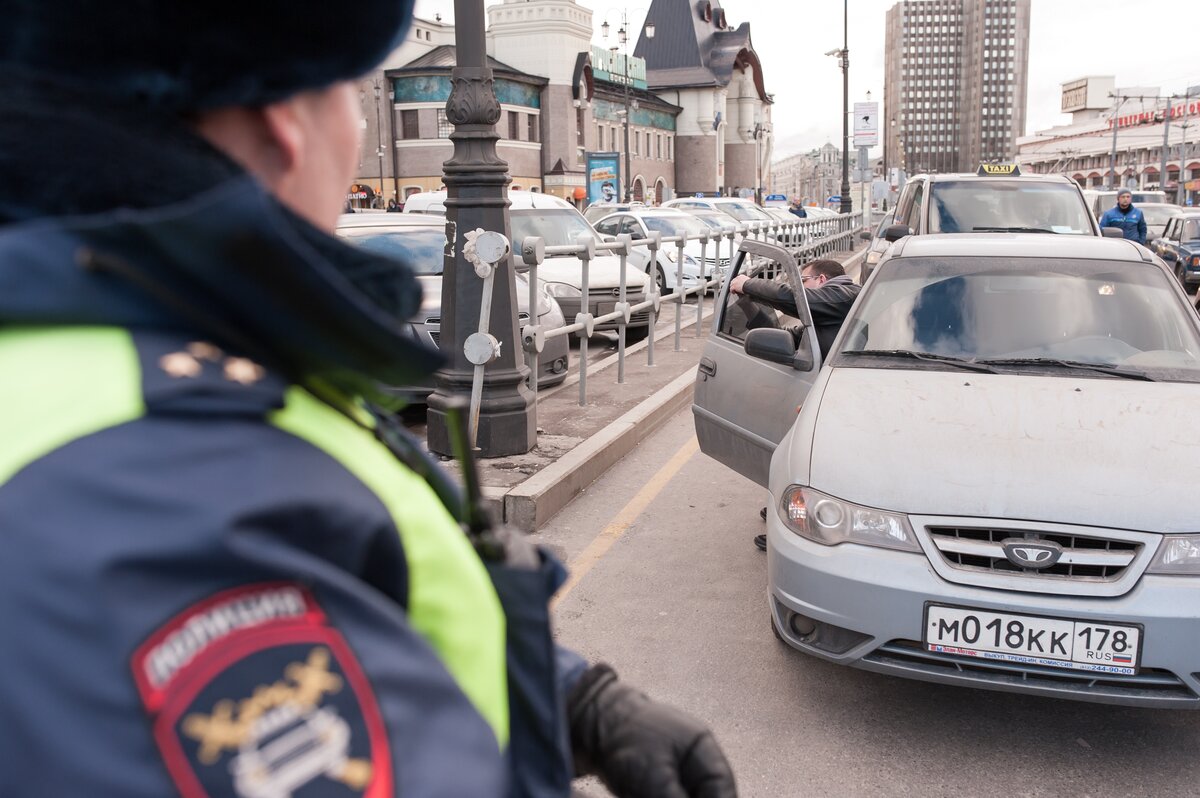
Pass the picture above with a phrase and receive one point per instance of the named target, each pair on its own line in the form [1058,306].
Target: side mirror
[895,232]
[865,235]
[1112,232]
[777,346]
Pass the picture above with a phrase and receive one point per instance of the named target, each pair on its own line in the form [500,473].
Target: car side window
[633,227]
[609,226]
[741,313]
[913,218]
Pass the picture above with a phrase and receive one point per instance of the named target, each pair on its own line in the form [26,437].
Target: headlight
[688,260]
[562,290]
[1178,554]
[545,300]
[829,521]
[873,257]
[672,254]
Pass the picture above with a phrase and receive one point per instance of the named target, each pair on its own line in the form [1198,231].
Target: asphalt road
[669,589]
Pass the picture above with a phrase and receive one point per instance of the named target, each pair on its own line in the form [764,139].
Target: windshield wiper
[1013,230]
[1071,364]
[969,365]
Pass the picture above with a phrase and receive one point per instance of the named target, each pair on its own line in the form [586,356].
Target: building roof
[693,46]
[445,57]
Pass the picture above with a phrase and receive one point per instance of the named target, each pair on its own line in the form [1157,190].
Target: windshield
[675,225]
[986,309]
[743,212]
[560,227]
[969,206]
[714,221]
[421,248]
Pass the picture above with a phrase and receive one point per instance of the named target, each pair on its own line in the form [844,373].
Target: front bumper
[865,608]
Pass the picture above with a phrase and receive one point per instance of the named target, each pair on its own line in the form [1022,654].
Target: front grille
[1149,684]
[1084,557]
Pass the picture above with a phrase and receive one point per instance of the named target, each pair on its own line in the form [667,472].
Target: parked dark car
[1179,247]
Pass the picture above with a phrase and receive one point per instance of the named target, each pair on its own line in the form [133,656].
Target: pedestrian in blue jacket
[225,571]
[1125,216]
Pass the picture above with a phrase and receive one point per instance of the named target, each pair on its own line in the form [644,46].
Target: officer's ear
[263,141]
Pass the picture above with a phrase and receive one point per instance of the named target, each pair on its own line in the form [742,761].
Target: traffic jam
[987,480]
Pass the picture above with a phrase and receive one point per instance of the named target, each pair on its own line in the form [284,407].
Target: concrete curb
[533,502]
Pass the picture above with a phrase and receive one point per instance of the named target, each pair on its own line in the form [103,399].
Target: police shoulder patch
[252,693]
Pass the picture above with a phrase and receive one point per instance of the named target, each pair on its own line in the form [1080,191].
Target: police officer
[224,573]
[1126,217]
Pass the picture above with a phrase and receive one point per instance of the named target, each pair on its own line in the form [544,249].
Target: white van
[559,223]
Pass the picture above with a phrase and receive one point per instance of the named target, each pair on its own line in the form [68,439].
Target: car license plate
[1033,640]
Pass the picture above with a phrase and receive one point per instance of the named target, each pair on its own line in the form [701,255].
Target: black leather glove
[640,748]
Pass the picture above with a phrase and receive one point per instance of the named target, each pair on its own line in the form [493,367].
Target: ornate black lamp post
[476,179]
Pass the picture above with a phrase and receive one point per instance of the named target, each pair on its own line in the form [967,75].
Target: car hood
[1104,452]
[604,272]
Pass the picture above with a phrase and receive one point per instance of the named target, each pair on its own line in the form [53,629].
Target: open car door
[745,403]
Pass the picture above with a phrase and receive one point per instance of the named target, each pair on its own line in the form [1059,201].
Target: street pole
[628,156]
[379,136]
[1112,160]
[1166,146]
[476,183]
[847,204]
[1180,191]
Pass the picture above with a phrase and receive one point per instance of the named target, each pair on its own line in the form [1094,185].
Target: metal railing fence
[804,239]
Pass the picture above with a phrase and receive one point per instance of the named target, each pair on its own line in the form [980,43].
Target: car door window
[632,227]
[741,313]
[913,219]
[1191,231]
[609,226]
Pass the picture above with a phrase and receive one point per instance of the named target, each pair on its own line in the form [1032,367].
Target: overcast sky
[1069,39]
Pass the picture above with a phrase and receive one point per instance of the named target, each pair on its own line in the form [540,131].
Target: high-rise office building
[954,83]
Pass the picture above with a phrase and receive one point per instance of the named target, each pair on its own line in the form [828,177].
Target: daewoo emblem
[1031,553]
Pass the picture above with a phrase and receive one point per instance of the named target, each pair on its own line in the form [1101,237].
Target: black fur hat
[191,55]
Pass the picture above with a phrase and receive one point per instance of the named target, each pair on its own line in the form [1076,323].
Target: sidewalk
[576,444]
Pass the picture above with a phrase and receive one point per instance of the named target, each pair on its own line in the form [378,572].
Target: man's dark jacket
[828,304]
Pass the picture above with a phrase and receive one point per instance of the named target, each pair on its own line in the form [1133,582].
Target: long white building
[1144,119]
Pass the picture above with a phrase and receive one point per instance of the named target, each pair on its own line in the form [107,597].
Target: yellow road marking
[621,522]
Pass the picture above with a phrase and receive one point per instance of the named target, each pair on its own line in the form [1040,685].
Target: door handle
[708,366]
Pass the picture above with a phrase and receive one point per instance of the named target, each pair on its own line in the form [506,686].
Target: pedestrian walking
[226,571]
[1126,217]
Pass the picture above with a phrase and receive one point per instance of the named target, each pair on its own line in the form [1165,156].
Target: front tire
[660,277]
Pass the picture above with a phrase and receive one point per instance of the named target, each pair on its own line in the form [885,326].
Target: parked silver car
[992,481]
[419,240]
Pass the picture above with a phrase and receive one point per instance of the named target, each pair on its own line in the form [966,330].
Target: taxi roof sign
[998,170]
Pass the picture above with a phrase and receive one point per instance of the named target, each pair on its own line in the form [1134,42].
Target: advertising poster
[603,177]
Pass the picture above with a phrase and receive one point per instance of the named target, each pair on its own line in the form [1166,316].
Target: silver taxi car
[991,483]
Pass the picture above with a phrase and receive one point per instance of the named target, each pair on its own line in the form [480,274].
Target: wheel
[635,334]
[660,277]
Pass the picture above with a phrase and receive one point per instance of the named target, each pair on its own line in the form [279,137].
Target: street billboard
[866,124]
[603,177]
